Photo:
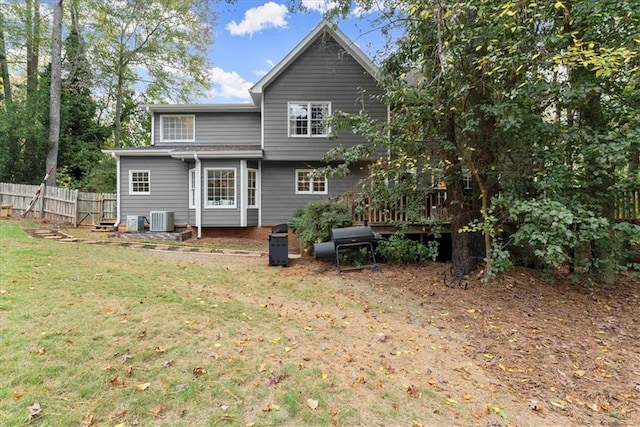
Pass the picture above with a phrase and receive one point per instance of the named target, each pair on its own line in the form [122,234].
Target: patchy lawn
[106,335]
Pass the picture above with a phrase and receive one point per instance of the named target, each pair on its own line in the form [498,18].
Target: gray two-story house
[251,165]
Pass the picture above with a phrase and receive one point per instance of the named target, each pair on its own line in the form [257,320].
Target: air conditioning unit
[135,224]
[161,221]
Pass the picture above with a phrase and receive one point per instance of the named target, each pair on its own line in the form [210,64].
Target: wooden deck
[390,215]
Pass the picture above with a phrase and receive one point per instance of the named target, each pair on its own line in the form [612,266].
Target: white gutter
[198,200]
[118,204]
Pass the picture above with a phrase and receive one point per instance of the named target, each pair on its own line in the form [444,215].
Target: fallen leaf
[155,412]
[88,421]
[274,379]
[579,373]
[119,414]
[129,371]
[167,363]
[311,403]
[35,411]
[275,340]
[199,371]
[17,396]
[535,406]
[160,349]
[42,351]
[413,391]
[143,386]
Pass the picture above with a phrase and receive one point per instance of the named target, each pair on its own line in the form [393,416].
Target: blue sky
[251,36]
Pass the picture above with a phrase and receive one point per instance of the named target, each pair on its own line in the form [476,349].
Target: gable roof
[325,27]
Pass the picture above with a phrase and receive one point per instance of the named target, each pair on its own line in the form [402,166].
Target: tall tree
[476,86]
[4,64]
[161,44]
[55,93]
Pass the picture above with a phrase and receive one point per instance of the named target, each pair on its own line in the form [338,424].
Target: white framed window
[140,182]
[221,188]
[252,188]
[307,182]
[177,127]
[307,119]
[467,180]
[192,188]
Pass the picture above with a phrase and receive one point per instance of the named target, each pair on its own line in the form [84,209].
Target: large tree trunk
[4,65]
[464,258]
[56,88]
[33,46]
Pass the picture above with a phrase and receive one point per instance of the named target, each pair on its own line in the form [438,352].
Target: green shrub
[400,249]
[313,222]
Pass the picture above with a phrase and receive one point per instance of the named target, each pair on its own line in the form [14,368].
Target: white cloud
[228,85]
[318,5]
[269,15]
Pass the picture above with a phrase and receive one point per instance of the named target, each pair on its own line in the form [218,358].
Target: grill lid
[358,234]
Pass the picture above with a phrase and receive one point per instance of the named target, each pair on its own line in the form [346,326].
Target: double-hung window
[308,118]
[221,188]
[177,128]
[252,188]
[192,188]
[139,182]
[308,182]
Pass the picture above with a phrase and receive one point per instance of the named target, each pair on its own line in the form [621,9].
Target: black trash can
[279,246]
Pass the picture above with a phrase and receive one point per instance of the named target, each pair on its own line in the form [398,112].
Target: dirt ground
[561,348]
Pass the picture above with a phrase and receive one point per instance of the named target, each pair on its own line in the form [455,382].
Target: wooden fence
[60,205]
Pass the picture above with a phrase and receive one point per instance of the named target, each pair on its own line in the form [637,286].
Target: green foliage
[313,222]
[553,230]
[400,249]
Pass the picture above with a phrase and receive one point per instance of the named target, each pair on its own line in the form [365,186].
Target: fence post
[75,207]
[43,194]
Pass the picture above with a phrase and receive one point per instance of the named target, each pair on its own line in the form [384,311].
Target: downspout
[153,127]
[198,195]
[118,189]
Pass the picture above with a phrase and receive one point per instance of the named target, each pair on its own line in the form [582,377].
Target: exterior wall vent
[161,221]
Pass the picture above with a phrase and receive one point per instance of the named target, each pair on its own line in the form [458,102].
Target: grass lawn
[102,335]
[105,335]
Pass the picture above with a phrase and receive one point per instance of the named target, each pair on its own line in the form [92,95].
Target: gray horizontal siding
[169,187]
[323,73]
[252,217]
[279,198]
[220,128]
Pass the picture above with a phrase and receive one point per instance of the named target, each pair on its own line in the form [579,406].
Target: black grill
[346,239]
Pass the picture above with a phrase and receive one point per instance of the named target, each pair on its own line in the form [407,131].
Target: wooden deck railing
[627,207]
[363,210]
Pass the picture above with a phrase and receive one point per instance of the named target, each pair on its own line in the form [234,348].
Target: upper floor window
[221,188]
[177,128]
[307,118]
[309,183]
[139,182]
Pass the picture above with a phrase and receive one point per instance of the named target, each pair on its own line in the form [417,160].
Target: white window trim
[255,205]
[139,193]
[193,130]
[193,188]
[290,135]
[206,189]
[311,191]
